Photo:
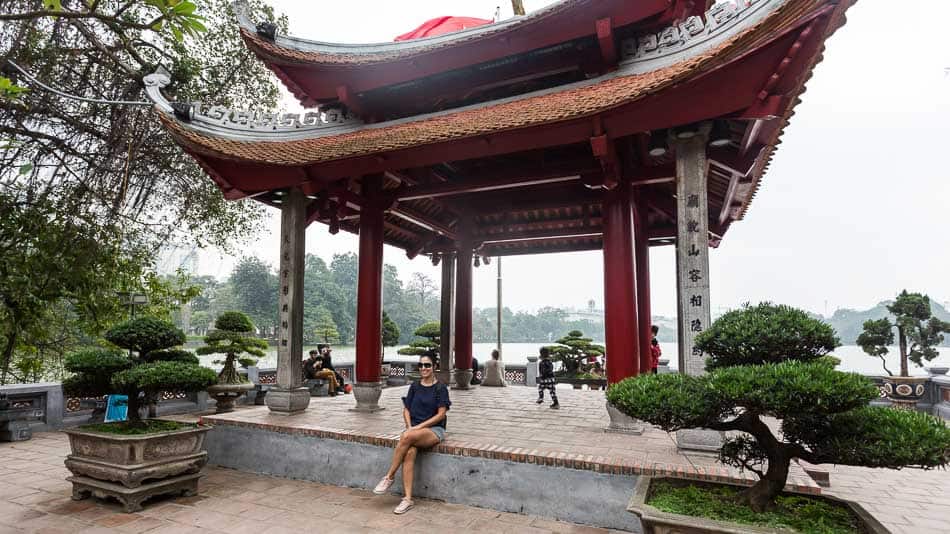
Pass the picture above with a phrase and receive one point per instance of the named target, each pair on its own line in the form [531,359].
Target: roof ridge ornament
[267,30]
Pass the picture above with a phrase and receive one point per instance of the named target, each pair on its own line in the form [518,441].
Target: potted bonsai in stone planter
[136,459]
[770,363]
[574,352]
[232,336]
[918,335]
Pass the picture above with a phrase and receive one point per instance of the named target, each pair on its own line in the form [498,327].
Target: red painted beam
[534,236]
[423,221]
[478,185]
[605,38]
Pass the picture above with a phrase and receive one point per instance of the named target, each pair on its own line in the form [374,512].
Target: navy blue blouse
[423,402]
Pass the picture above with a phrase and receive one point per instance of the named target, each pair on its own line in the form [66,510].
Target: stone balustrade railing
[53,410]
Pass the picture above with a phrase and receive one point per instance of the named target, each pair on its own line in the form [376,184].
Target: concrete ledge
[575,495]
[598,464]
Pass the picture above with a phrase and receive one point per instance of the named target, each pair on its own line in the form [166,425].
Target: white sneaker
[383,486]
[404,506]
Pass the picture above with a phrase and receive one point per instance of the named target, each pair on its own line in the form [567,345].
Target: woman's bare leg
[422,438]
[408,466]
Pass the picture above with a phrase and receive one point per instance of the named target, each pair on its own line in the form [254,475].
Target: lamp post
[132,300]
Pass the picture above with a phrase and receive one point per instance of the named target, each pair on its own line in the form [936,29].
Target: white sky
[853,208]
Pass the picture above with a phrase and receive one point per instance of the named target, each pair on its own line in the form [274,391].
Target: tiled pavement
[34,498]
[505,423]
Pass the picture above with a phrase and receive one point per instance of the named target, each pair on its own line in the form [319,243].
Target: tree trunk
[133,409]
[517,6]
[761,496]
[903,345]
[7,357]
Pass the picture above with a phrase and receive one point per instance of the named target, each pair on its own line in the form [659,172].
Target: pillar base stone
[622,423]
[700,440]
[446,376]
[463,379]
[287,401]
[367,397]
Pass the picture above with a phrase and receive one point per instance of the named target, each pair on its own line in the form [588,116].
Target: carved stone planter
[226,394]
[905,391]
[133,468]
[655,521]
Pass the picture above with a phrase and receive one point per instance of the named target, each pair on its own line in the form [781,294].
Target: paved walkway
[505,423]
[34,498]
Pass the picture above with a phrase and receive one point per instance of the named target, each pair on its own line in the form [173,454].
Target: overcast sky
[853,208]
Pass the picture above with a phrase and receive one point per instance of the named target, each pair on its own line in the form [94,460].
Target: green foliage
[234,321]
[10,90]
[390,331]
[172,355]
[247,362]
[233,343]
[97,361]
[152,426]
[874,436]
[919,332]
[430,346]
[144,335]
[256,288]
[824,413]
[804,514]
[765,333]
[325,328]
[156,367]
[163,376]
[573,351]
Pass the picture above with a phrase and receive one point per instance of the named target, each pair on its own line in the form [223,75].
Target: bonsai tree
[771,361]
[429,346]
[915,325]
[390,332]
[573,350]
[326,328]
[232,336]
[150,367]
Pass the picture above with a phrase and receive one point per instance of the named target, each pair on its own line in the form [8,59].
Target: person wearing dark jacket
[546,378]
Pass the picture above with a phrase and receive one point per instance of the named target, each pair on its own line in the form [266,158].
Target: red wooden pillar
[463,308]
[620,287]
[644,313]
[369,289]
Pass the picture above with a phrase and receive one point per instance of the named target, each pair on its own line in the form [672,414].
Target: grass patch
[149,426]
[807,515]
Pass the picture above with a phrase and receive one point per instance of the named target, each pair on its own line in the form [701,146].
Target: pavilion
[589,124]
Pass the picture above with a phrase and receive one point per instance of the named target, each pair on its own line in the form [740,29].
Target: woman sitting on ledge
[424,413]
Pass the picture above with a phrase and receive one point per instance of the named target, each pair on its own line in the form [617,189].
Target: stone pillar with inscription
[692,266]
[289,397]
[447,321]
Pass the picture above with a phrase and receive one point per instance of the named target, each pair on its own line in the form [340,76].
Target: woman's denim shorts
[439,432]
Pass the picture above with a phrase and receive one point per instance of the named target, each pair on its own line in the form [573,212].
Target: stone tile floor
[508,421]
[35,498]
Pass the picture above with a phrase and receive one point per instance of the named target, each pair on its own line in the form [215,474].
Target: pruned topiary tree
[390,332]
[429,346]
[573,350]
[152,366]
[918,332]
[232,336]
[772,361]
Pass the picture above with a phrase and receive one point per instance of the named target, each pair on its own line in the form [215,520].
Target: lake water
[852,357]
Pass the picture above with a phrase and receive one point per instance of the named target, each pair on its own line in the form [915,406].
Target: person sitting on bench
[313,369]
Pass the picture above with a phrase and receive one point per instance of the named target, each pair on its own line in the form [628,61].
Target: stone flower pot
[905,391]
[655,521]
[133,468]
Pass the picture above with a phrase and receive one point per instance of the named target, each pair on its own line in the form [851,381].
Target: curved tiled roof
[562,104]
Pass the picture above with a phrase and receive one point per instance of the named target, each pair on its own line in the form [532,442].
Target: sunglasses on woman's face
[425,365]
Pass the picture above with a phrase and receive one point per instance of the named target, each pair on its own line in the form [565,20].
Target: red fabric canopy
[440,25]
